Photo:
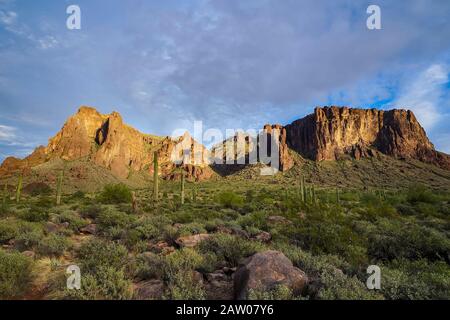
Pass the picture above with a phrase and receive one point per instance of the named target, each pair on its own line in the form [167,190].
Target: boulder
[263,237]
[29,254]
[265,271]
[219,286]
[89,229]
[149,290]
[192,241]
[51,227]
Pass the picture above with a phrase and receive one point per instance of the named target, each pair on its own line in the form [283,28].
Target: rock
[331,132]
[219,286]
[263,237]
[161,247]
[278,219]
[192,241]
[89,229]
[149,290]
[29,254]
[51,227]
[65,225]
[266,270]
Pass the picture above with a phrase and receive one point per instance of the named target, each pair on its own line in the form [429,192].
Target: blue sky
[230,63]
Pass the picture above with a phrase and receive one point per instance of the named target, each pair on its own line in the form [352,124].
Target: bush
[280,292]
[53,245]
[416,280]
[230,200]
[75,222]
[15,274]
[28,239]
[35,214]
[8,231]
[97,253]
[112,218]
[91,211]
[115,193]
[420,194]
[37,188]
[183,286]
[229,248]
[396,240]
[107,284]
[149,266]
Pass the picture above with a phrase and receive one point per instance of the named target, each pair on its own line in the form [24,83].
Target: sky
[229,63]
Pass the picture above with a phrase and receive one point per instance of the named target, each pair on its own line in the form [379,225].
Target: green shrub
[35,214]
[29,239]
[107,284]
[15,274]
[420,194]
[149,266]
[229,199]
[8,231]
[74,221]
[96,253]
[91,211]
[183,286]
[112,218]
[115,193]
[416,280]
[229,248]
[52,245]
[280,292]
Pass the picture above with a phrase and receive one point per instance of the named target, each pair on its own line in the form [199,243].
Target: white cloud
[424,95]
[7,133]
[8,18]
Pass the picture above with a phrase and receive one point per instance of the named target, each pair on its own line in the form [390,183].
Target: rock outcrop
[107,141]
[331,132]
[265,271]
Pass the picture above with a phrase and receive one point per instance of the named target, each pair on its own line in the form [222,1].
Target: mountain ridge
[328,134]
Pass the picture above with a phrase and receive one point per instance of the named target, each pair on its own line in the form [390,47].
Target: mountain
[104,140]
[101,147]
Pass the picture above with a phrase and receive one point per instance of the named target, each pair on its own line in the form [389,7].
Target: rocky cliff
[331,132]
[108,142]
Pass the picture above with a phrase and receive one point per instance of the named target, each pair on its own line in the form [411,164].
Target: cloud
[7,133]
[424,95]
[8,17]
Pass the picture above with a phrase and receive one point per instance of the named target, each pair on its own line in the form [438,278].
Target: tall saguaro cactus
[155,176]
[59,187]
[19,188]
[182,186]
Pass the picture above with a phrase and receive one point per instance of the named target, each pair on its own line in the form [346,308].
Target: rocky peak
[331,132]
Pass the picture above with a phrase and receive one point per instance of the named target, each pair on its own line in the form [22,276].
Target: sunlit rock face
[331,132]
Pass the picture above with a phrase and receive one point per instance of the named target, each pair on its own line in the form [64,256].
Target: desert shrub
[112,218]
[74,221]
[37,188]
[29,239]
[115,193]
[230,199]
[335,285]
[15,274]
[52,245]
[96,253]
[35,214]
[396,240]
[149,266]
[420,194]
[78,195]
[229,248]
[150,227]
[107,284]
[416,280]
[255,219]
[179,275]
[8,231]
[280,292]
[91,211]
[191,228]
[183,286]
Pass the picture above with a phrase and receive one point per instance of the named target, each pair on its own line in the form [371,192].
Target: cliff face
[108,142]
[331,132]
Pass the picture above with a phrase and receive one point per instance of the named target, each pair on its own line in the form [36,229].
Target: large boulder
[265,271]
[191,241]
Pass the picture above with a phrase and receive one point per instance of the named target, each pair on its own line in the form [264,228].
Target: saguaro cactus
[133,201]
[19,188]
[182,186]
[59,187]
[155,176]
